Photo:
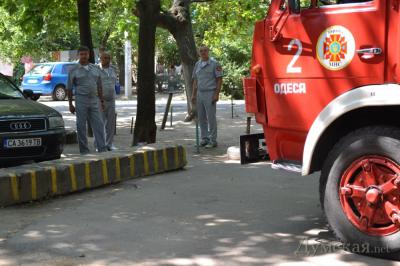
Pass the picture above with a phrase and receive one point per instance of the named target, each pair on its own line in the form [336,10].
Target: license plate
[32,81]
[22,143]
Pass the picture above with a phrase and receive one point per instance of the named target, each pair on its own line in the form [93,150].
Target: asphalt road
[215,212]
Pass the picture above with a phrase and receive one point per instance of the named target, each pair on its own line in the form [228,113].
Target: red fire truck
[325,87]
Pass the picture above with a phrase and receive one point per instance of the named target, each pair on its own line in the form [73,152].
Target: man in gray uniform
[86,79]
[207,83]
[109,80]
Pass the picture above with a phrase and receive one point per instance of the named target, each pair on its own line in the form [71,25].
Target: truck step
[287,166]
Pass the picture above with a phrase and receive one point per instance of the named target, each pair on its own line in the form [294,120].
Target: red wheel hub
[369,194]
[372,196]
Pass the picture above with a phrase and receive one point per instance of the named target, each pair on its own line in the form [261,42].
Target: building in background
[71,55]
[28,63]
[6,69]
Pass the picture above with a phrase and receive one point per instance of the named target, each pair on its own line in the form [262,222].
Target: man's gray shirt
[109,80]
[206,73]
[85,81]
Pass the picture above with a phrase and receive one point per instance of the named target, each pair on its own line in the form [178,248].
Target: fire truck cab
[324,85]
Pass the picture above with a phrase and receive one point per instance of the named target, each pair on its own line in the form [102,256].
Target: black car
[28,130]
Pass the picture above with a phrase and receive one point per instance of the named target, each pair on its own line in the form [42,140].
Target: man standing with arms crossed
[86,79]
[109,80]
[207,83]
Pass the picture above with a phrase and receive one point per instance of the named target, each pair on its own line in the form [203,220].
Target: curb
[44,180]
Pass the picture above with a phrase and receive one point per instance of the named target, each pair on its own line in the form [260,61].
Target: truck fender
[366,96]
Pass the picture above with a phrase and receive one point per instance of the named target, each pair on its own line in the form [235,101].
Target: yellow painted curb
[60,177]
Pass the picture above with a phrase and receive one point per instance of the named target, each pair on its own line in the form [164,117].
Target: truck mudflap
[250,94]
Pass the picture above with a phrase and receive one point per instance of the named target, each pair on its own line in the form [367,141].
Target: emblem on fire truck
[336,48]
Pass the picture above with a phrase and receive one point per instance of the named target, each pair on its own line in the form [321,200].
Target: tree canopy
[37,28]
[227,28]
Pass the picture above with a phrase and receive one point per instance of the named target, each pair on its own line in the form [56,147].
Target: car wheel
[35,97]
[59,93]
[360,192]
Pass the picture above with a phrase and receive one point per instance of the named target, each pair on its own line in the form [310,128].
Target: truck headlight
[56,122]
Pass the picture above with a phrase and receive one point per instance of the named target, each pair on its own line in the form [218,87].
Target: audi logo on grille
[20,125]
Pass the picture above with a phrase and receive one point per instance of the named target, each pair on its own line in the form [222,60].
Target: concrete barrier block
[43,183]
[63,180]
[8,189]
[127,167]
[61,177]
[96,173]
[140,168]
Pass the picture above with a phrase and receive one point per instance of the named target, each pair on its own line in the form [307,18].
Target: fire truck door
[322,52]
[349,40]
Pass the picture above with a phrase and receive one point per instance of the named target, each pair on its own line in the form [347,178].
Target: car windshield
[8,90]
[41,69]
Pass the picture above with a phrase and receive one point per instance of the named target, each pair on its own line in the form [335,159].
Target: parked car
[28,130]
[48,79]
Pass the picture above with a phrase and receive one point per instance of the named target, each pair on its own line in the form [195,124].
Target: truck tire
[359,193]
[59,93]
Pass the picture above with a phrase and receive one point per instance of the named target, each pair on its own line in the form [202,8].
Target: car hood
[24,107]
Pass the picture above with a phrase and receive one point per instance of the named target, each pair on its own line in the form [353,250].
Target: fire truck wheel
[360,191]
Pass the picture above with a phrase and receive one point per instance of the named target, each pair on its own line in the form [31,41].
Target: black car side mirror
[28,94]
[294,6]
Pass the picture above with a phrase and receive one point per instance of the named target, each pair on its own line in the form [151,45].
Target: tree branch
[201,1]
[107,33]
[167,21]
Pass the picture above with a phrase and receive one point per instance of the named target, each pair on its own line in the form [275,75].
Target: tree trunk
[104,40]
[121,67]
[85,34]
[179,23]
[145,126]
[188,53]
[85,31]
[119,55]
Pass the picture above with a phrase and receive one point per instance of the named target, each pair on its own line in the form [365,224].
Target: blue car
[48,79]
